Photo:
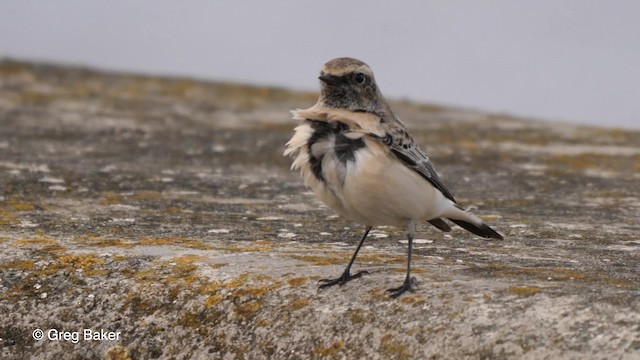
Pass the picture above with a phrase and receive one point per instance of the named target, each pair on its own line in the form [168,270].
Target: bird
[359,159]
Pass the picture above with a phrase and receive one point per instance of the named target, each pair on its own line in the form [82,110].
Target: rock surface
[163,209]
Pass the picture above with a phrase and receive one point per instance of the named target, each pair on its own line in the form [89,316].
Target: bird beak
[329,79]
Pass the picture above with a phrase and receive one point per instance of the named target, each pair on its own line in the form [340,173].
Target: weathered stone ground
[163,209]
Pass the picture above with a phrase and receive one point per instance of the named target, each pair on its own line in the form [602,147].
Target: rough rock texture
[163,209]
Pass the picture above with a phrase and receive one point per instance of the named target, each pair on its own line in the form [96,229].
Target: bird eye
[360,78]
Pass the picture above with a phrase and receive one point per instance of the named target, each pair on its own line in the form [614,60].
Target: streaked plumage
[359,159]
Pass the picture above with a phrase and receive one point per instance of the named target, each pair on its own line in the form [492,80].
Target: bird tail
[440,224]
[471,223]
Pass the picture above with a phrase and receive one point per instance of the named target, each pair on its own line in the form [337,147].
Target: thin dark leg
[408,280]
[346,275]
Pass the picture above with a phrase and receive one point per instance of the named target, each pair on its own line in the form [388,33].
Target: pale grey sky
[574,60]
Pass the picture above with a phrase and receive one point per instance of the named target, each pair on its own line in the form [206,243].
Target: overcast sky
[573,60]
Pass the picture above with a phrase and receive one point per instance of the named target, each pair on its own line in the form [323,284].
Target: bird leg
[409,281]
[346,275]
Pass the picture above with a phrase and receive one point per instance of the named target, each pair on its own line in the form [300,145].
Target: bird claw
[407,285]
[343,279]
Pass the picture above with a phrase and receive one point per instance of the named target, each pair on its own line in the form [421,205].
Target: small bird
[359,159]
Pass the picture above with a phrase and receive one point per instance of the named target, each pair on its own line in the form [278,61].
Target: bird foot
[407,285]
[343,279]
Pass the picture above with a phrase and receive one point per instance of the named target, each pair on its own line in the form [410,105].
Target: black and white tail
[471,223]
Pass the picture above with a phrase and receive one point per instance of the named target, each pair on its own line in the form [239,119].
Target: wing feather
[416,159]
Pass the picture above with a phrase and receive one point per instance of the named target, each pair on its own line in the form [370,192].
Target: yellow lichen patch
[262,277]
[446,295]
[147,195]
[210,288]
[524,290]
[183,268]
[392,348]
[297,281]
[174,211]
[413,270]
[247,309]
[265,242]
[299,303]
[80,90]
[567,274]
[88,263]
[192,244]
[212,300]
[179,88]
[143,276]
[154,241]
[178,289]
[243,248]
[113,229]
[98,241]
[240,280]
[539,273]
[592,161]
[36,98]
[17,264]
[414,300]
[130,89]
[490,217]
[189,258]
[377,294]
[183,271]
[10,67]
[118,352]
[257,291]
[454,314]
[358,316]
[413,331]
[54,249]
[36,241]
[8,217]
[262,322]
[140,304]
[190,319]
[621,283]
[177,241]
[576,162]
[323,260]
[20,206]
[615,135]
[110,198]
[382,259]
[329,351]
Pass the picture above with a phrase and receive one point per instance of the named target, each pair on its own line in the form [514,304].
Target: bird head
[347,83]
